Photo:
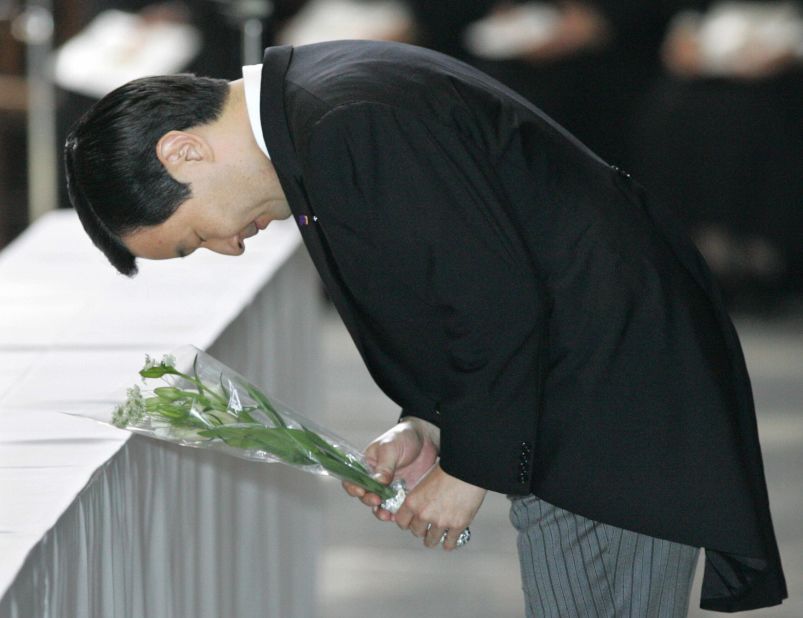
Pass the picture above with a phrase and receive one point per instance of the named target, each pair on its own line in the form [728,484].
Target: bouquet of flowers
[200,402]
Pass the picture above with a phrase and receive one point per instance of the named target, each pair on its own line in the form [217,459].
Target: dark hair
[115,181]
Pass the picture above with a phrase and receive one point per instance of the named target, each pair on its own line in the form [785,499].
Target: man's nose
[227,246]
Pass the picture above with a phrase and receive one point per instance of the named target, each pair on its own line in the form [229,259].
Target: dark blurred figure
[440,24]
[217,56]
[720,141]
[13,138]
[588,75]
[220,54]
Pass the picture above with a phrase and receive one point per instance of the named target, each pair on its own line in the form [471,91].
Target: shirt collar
[252,84]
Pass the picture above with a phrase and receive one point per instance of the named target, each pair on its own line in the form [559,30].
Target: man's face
[220,225]
[235,193]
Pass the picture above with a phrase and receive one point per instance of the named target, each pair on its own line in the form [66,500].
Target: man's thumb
[386,458]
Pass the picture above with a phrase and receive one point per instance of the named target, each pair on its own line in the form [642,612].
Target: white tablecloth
[96,523]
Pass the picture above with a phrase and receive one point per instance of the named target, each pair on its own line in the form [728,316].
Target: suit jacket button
[620,171]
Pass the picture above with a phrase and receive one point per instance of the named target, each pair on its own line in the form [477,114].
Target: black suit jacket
[504,283]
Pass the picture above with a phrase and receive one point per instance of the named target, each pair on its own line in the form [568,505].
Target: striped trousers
[573,567]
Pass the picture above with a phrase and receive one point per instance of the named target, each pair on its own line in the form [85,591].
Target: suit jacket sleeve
[445,291]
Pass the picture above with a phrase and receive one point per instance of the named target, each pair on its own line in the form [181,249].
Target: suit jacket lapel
[283,156]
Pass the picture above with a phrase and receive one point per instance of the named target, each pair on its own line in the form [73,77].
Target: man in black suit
[547,331]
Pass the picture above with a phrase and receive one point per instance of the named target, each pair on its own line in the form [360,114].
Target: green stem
[260,398]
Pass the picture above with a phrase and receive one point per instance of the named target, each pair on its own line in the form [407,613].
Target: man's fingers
[419,528]
[450,542]
[383,474]
[369,499]
[354,491]
[434,536]
[382,514]
[404,518]
[366,497]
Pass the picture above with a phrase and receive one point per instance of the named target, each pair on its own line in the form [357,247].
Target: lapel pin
[306,219]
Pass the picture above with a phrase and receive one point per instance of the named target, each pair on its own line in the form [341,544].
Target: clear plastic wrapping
[192,399]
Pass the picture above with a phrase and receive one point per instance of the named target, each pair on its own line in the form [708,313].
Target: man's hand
[440,503]
[407,451]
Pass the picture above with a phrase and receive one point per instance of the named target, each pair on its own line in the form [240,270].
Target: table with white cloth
[96,522]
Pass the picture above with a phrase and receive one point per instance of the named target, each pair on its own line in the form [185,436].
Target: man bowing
[546,330]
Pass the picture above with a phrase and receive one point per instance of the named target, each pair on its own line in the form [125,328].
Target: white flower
[168,362]
[132,411]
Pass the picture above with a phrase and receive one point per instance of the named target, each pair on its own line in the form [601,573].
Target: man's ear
[177,149]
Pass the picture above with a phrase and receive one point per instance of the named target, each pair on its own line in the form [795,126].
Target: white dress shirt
[252,84]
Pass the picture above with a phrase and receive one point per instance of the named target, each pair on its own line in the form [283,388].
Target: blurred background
[701,101]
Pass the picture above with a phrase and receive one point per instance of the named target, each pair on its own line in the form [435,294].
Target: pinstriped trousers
[573,567]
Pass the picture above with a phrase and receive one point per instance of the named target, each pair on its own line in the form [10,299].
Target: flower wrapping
[194,400]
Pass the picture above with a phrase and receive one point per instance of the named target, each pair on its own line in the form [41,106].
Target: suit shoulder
[341,72]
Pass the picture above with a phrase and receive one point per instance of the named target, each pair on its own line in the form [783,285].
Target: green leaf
[338,463]
[170,393]
[328,446]
[345,472]
[170,411]
[273,440]
[265,404]
[245,415]
[223,388]
[158,371]
[197,380]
